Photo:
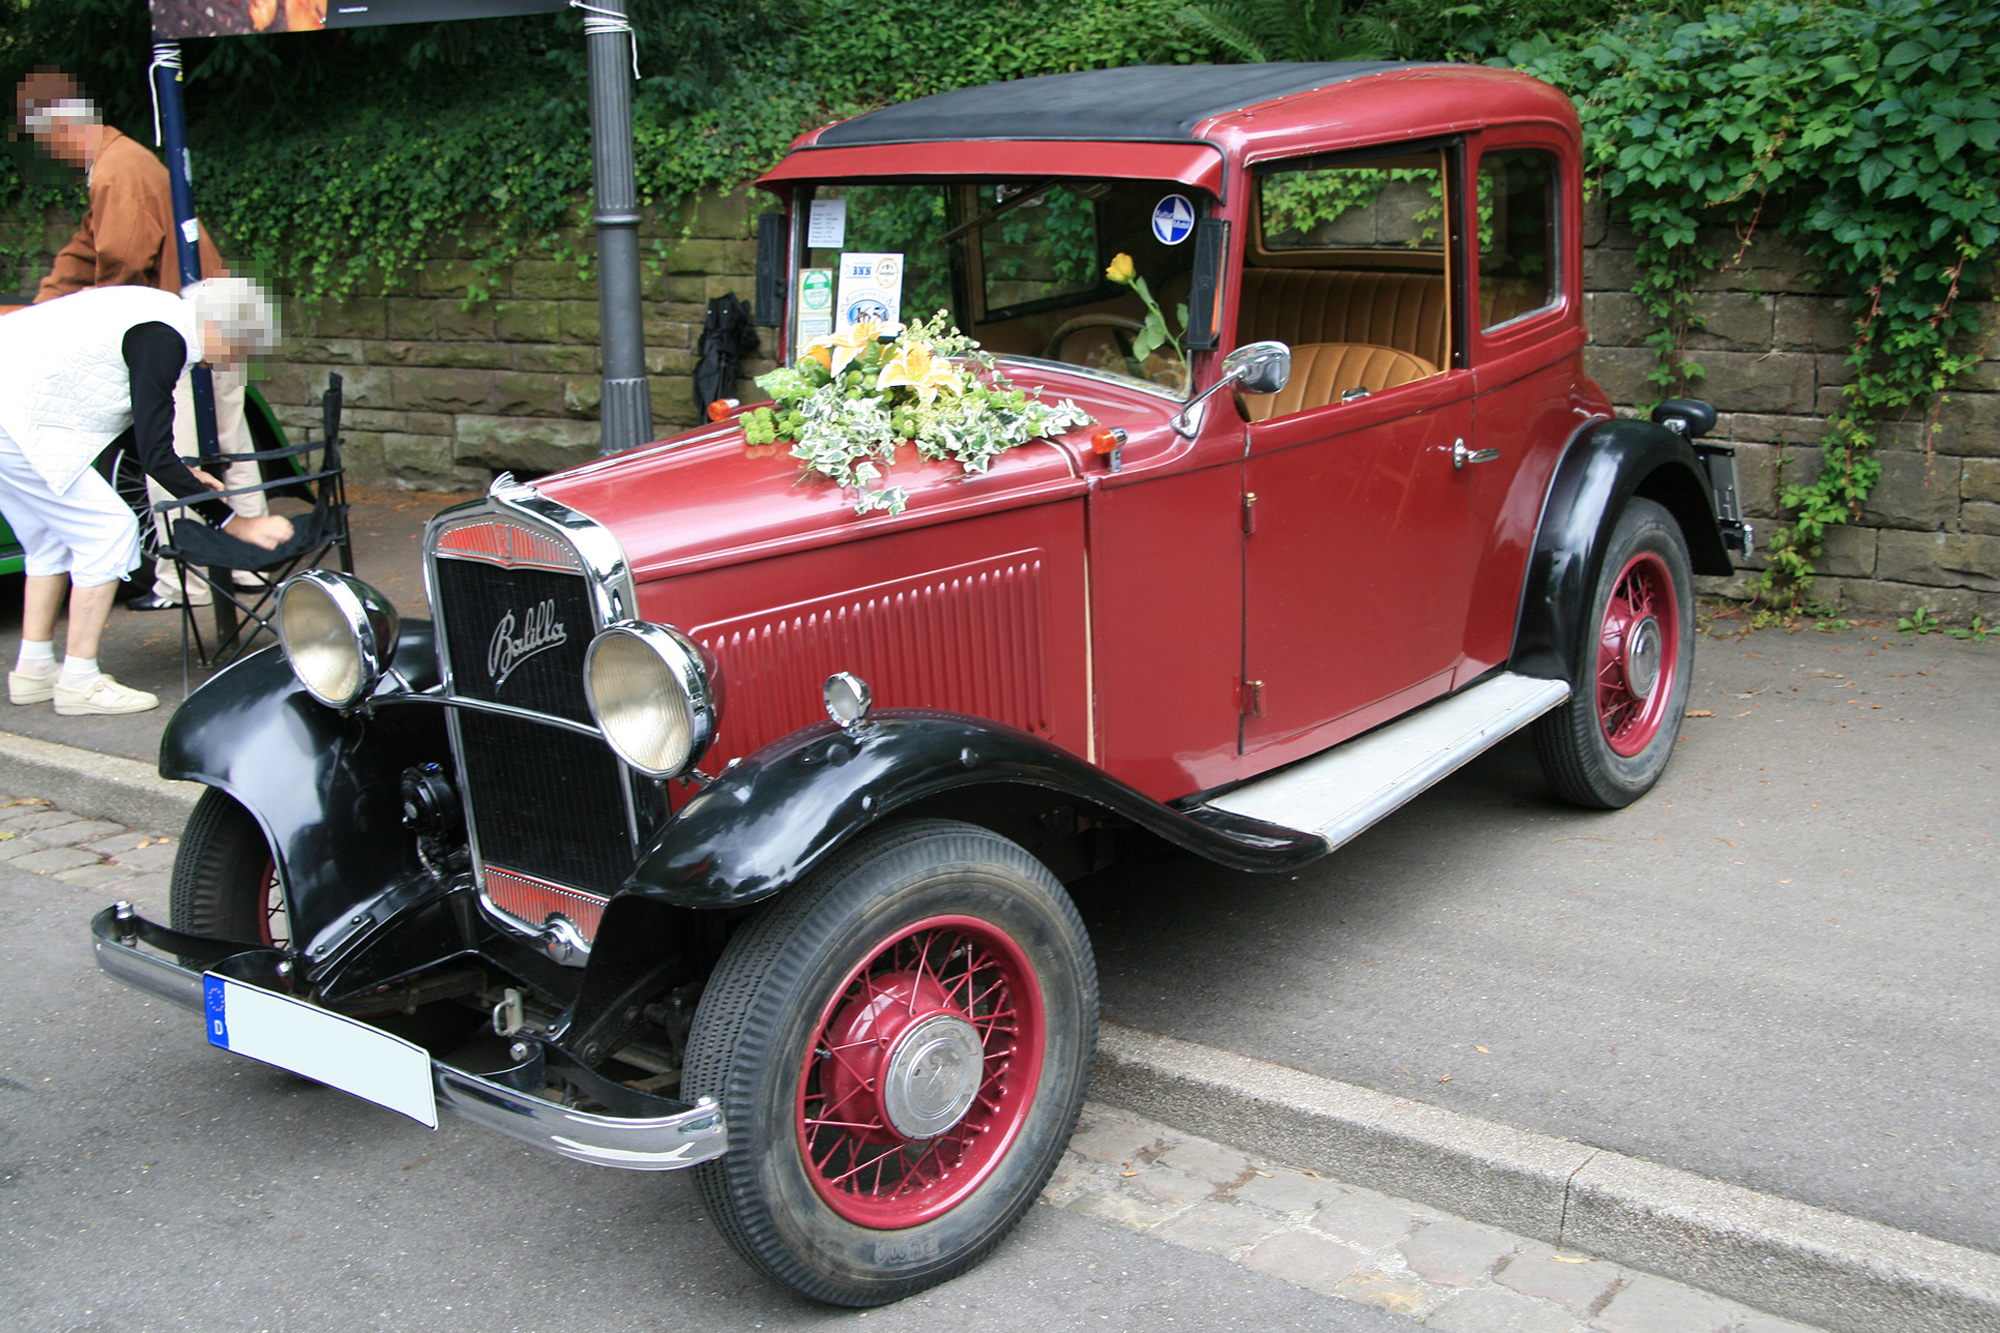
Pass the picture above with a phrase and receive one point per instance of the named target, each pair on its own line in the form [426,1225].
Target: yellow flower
[841,348]
[1121,269]
[915,367]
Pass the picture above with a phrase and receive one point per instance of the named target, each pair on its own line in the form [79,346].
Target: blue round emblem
[867,307]
[1173,219]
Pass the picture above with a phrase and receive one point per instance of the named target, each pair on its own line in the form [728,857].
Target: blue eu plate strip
[217,1009]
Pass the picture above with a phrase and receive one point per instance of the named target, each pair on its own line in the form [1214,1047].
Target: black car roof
[1135,102]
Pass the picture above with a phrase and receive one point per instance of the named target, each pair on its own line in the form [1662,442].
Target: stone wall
[1773,343]
[444,393]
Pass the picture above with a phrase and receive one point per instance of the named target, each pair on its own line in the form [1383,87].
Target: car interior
[1347,263]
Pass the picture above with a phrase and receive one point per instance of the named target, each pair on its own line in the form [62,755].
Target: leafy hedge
[1876,126]
[1867,128]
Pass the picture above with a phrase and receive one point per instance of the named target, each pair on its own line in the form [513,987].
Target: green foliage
[1260,30]
[1874,123]
[1921,621]
[1977,631]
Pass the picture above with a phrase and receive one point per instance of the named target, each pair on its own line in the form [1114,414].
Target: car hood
[704,498]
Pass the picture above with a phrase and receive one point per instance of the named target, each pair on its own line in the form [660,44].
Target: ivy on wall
[1876,125]
[1867,129]
[332,161]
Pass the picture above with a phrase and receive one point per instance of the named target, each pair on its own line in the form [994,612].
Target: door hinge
[1249,512]
[1253,698]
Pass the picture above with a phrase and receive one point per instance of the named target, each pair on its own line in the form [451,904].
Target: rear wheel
[225,882]
[900,1047]
[1609,744]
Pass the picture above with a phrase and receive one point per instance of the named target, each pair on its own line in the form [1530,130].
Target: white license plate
[324,1046]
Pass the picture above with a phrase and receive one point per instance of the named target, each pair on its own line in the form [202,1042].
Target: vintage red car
[1333,507]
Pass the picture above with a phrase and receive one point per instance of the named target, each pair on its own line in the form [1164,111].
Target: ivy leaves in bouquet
[853,398]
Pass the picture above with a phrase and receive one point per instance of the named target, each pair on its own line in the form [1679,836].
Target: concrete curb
[1809,1264]
[101,786]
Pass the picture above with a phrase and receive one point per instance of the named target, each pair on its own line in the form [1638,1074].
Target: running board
[1336,795]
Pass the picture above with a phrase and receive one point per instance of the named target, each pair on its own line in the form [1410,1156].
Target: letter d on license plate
[324,1046]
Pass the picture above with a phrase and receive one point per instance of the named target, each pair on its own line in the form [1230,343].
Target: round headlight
[651,689]
[338,633]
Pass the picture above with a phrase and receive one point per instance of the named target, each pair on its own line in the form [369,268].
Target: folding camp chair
[213,557]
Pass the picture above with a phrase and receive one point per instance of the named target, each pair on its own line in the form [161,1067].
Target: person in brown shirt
[127,238]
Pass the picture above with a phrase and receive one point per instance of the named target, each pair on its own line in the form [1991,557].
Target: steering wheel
[1078,323]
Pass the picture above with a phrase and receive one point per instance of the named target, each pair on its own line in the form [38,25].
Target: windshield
[1018,264]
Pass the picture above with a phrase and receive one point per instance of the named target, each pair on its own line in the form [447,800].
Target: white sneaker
[102,695]
[26,687]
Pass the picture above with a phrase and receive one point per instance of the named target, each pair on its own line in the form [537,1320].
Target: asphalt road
[1781,969]
[149,1182]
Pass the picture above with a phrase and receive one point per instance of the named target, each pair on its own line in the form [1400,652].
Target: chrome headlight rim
[690,670]
[371,623]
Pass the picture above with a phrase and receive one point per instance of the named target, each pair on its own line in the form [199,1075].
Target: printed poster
[871,287]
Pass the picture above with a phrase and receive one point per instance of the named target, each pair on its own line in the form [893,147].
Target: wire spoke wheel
[1637,650]
[923,1070]
[900,1047]
[1609,744]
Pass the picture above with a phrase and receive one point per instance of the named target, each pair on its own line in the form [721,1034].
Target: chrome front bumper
[643,1132]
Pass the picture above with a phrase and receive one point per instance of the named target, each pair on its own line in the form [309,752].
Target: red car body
[591,831]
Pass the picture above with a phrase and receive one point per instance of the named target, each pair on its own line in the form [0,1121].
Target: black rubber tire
[223,874]
[763,1005]
[1570,741]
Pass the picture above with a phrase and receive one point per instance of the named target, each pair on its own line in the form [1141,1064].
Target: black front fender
[1608,463]
[765,823]
[325,787]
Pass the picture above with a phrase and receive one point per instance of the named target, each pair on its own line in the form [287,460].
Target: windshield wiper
[1007,205]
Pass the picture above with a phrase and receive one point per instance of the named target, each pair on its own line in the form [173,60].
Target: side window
[1041,250]
[1369,206]
[1518,267]
[1348,264]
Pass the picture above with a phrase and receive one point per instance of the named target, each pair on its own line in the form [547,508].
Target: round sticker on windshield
[1173,219]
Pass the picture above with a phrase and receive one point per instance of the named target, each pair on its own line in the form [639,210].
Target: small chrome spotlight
[848,699]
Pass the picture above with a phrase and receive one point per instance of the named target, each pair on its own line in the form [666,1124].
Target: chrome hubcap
[1642,656]
[932,1076]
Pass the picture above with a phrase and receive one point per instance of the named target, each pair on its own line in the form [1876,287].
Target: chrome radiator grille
[515,614]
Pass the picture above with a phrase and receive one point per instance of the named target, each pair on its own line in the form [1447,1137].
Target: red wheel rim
[944,980]
[1638,654]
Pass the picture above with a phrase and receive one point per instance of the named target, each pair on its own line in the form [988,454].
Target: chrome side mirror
[1259,367]
[1264,367]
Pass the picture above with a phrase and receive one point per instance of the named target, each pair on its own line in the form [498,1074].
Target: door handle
[1460,455]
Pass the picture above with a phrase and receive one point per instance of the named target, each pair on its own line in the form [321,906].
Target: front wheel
[900,1048]
[225,882]
[1608,745]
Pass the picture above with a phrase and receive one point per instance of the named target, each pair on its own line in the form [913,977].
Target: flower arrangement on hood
[853,397]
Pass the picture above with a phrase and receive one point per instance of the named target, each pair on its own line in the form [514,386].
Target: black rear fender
[1608,463]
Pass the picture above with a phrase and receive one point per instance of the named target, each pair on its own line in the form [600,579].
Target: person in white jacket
[74,375]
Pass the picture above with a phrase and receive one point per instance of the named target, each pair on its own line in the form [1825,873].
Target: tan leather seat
[1313,305]
[1502,299]
[1322,372]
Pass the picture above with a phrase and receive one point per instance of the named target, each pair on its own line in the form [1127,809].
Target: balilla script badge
[539,629]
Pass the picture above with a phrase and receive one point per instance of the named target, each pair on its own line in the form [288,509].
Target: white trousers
[87,532]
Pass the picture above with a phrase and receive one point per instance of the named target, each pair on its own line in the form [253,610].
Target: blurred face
[70,141]
[219,348]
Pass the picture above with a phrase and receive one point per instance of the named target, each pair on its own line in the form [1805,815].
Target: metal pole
[626,413]
[166,72]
